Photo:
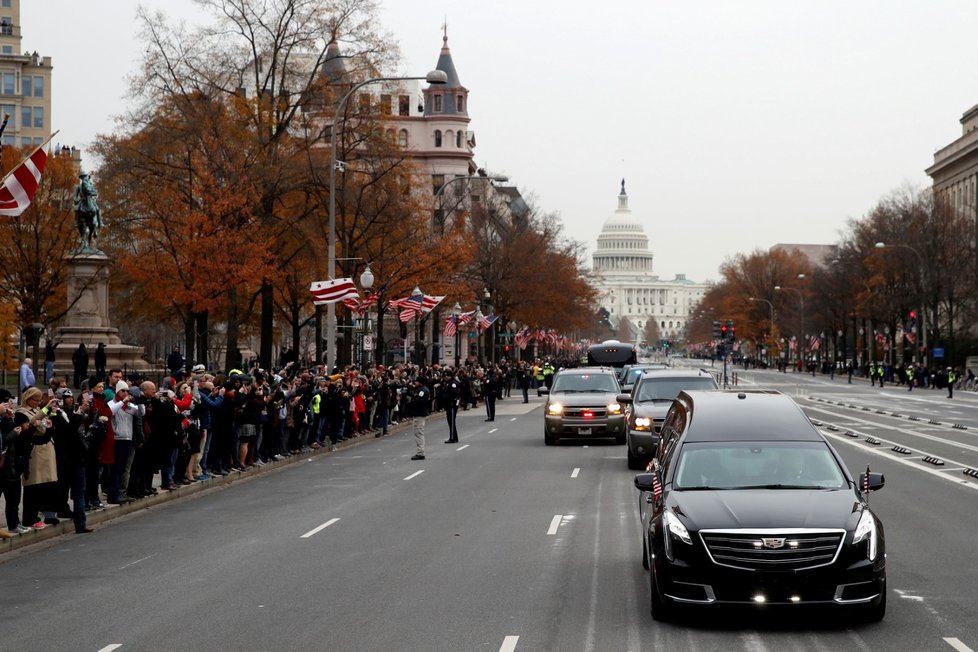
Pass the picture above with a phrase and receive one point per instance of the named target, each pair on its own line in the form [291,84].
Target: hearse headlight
[673,528]
[866,531]
[555,408]
[614,408]
[643,423]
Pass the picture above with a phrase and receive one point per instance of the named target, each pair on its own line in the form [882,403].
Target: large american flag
[20,184]
[324,292]
[411,307]
[814,344]
[522,338]
[429,302]
[486,321]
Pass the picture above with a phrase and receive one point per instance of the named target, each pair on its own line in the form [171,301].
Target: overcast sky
[736,125]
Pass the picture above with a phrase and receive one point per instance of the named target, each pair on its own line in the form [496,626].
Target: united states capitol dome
[623,246]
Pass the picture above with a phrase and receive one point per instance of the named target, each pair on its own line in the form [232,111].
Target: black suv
[750,504]
[583,402]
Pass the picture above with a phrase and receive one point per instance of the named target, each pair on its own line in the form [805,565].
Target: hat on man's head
[121,386]
[199,369]
[63,392]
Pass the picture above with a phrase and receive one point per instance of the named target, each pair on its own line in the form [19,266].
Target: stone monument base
[87,320]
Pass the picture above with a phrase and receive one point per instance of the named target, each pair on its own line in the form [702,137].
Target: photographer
[36,457]
[123,410]
[10,487]
[71,447]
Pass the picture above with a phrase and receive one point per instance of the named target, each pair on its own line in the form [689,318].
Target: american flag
[361,306]
[866,481]
[653,468]
[910,337]
[324,292]
[791,344]
[814,343]
[466,317]
[451,326]
[429,302]
[486,321]
[522,338]
[21,183]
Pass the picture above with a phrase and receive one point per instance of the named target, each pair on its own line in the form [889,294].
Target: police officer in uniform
[418,401]
[450,395]
[952,377]
[909,377]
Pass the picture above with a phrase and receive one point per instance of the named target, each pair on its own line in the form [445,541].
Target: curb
[106,514]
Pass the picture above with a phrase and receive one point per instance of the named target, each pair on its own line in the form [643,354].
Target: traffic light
[716,329]
[730,330]
[913,320]
[723,333]
[669,344]
[506,348]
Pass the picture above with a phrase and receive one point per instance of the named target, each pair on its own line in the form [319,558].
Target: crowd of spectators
[115,440]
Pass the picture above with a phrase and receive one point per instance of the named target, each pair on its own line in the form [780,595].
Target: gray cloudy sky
[736,124]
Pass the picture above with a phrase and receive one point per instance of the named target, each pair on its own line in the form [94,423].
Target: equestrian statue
[88,216]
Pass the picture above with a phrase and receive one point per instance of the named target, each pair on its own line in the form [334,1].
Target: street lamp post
[456,313]
[923,308]
[433,77]
[418,356]
[490,354]
[366,282]
[771,305]
[801,300]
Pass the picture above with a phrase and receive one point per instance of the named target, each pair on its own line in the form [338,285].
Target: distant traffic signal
[716,329]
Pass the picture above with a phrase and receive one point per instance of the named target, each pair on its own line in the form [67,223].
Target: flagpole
[33,152]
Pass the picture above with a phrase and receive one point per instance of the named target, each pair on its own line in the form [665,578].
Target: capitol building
[622,274]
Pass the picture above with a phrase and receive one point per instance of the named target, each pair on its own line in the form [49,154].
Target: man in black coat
[419,400]
[79,361]
[450,395]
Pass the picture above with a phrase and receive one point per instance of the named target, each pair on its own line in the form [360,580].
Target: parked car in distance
[749,504]
[583,403]
[650,400]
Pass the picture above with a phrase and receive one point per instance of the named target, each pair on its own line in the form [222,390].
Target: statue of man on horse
[88,216]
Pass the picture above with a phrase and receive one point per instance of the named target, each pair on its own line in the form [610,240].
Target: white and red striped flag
[21,183]
[324,292]
[361,306]
[910,337]
[410,307]
[486,321]
[429,302]
[815,343]
[522,338]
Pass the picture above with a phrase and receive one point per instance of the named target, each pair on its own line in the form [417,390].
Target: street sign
[368,342]
[938,352]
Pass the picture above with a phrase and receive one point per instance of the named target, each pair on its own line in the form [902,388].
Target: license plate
[584,431]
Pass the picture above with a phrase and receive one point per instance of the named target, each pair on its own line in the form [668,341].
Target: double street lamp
[771,305]
[923,308]
[456,314]
[433,77]
[801,300]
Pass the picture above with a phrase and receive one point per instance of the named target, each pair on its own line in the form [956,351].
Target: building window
[437,181]
[7,25]
[39,117]
[402,138]
[460,100]
[438,104]
[25,117]
[403,105]
[25,141]
[9,87]
[437,137]
[386,104]
[6,4]
[458,140]
[449,137]
[11,110]
[8,49]
[364,102]
[27,85]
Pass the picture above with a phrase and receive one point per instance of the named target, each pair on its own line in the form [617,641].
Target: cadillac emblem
[772,543]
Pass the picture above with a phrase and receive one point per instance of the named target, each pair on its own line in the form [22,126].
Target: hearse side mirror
[876,481]
[543,391]
[643,482]
[624,398]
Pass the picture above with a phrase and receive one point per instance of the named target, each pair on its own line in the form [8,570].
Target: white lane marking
[915,598]
[575,472]
[415,474]
[509,644]
[907,431]
[116,646]
[133,563]
[855,443]
[957,645]
[493,430]
[514,419]
[318,529]
[462,448]
[554,524]
[584,446]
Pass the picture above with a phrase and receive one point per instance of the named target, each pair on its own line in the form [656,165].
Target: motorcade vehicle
[749,504]
[611,353]
[648,403]
[630,373]
[583,404]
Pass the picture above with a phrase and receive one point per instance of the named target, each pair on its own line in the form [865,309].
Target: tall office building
[25,83]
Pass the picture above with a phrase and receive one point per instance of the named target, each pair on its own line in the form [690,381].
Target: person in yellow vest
[910,378]
[538,373]
[952,377]
[548,375]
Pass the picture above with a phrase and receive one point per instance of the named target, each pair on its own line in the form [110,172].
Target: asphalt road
[495,543]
